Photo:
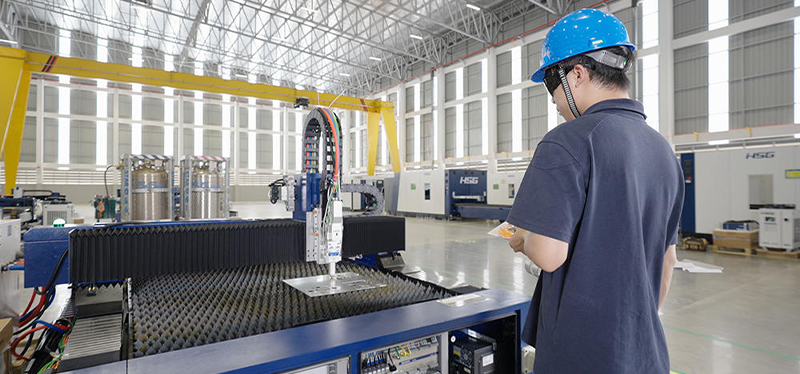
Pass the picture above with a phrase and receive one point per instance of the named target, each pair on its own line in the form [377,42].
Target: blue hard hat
[579,32]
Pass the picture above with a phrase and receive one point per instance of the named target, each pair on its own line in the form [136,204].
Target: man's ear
[581,75]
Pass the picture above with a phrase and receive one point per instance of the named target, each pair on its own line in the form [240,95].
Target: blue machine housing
[466,196]
[688,215]
[302,346]
[464,186]
[306,195]
[6,201]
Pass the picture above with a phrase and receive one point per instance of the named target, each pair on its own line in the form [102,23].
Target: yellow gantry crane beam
[16,66]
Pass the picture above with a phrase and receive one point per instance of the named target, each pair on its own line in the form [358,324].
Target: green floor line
[734,343]
[675,371]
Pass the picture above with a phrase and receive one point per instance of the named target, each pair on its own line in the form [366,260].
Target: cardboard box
[736,239]
[740,225]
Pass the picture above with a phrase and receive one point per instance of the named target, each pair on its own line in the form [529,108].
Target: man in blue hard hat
[597,210]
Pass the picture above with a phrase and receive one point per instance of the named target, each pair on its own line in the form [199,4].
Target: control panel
[427,355]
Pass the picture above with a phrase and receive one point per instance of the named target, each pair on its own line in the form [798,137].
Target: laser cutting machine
[301,296]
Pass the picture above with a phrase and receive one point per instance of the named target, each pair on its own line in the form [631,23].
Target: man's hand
[547,253]
[517,242]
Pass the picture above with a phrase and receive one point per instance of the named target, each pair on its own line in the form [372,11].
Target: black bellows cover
[106,254]
[103,254]
[373,234]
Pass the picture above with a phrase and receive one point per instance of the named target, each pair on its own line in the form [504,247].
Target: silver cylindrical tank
[149,194]
[207,198]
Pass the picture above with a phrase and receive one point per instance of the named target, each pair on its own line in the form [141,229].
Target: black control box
[470,356]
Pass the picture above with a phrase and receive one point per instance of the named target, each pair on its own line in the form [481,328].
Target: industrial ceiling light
[473,7]
[413,36]
[344,74]
[719,142]
[12,42]
[797,136]
[374,58]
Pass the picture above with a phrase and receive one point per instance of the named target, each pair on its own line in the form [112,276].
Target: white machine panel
[9,240]
[779,228]
[421,191]
[502,187]
[50,212]
[9,280]
[727,182]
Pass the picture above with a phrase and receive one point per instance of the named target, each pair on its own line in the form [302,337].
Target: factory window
[796,64]
[212,143]
[82,138]
[293,149]
[170,141]
[691,89]
[534,116]
[50,99]
[353,148]
[649,23]
[264,119]
[473,126]
[450,132]
[504,120]
[32,96]
[363,148]
[427,94]
[649,69]
[450,86]
[381,146]
[152,139]
[212,114]
[409,139]
[153,109]
[83,102]
[125,105]
[718,68]
[124,139]
[762,89]
[188,111]
[28,149]
[393,98]
[474,84]
[427,137]
[504,66]
[409,99]
[188,141]
[530,58]
[243,152]
[263,151]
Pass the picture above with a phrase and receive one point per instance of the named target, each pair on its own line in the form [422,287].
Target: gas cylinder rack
[205,187]
[146,193]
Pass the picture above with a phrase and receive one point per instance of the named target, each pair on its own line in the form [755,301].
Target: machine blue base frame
[302,346]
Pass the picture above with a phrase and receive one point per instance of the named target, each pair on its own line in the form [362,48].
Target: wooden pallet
[733,251]
[783,255]
[760,252]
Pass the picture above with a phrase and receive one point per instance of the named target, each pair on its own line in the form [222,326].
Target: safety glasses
[552,79]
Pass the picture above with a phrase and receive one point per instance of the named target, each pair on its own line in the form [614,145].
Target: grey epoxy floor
[745,320]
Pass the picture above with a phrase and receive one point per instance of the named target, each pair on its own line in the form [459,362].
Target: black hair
[605,75]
